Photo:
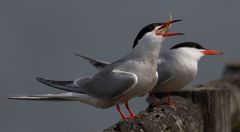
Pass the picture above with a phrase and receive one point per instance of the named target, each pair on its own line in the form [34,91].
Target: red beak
[165,27]
[171,34]
[212,52]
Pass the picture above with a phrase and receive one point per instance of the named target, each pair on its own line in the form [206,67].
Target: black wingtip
[82,56]
[42,80]
[79,55]
[76,54]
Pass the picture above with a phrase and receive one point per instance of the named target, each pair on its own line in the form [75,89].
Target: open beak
[212,52]
[163,30]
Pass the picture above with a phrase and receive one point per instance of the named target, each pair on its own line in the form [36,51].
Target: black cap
[145,30]
[189,45]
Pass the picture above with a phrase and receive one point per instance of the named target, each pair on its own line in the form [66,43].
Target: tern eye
[162,27]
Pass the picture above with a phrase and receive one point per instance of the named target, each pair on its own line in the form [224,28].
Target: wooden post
[231,81]
[215,107]
[203,109]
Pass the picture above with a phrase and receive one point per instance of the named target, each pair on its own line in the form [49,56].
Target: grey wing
[164,74]
[96,63]
[111,84]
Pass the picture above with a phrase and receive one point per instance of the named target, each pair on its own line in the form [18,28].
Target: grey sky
[39,37]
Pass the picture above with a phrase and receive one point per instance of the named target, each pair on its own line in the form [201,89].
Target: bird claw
[170,104]
[134,117]
[137,116]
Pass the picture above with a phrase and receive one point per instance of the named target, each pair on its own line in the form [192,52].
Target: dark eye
[160,28]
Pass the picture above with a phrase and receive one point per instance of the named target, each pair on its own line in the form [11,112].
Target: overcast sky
[38,39]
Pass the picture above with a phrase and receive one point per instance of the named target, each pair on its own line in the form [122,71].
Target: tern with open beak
[120,81]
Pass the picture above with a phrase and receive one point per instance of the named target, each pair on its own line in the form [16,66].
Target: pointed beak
[163,30]
[171,34]
[212,52]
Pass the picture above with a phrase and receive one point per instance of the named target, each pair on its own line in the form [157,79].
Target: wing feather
[111,84]
[164,75]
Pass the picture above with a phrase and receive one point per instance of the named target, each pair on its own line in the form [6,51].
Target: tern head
[193,50]
[155,32]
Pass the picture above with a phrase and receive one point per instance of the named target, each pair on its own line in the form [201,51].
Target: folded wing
[164,75]
[109,85]
[62,85]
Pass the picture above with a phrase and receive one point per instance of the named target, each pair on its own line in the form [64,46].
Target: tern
[120,81]
[177,67]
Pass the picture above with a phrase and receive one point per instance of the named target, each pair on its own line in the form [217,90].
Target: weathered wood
[215,107]
[231,81]
[205,109]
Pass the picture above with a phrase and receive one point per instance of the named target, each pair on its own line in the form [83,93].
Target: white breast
[175,74]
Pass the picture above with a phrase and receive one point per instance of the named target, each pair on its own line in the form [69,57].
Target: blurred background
[38,39]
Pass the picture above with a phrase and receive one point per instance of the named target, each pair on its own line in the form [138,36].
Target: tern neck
[147,48]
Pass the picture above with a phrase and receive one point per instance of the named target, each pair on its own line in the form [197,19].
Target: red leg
[132,114]
[120,112]
[170,101]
